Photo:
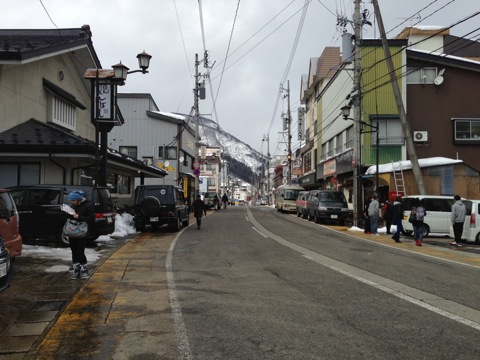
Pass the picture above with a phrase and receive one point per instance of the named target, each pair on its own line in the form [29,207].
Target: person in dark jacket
[368,229]
[199,209]
[419,210]
[387,215]
[224,200]
[83,212]
[397,216]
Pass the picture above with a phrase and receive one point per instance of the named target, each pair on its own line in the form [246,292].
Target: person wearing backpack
[419,211]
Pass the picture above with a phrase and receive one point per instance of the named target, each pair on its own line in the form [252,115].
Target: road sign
[196,172]
[196,165]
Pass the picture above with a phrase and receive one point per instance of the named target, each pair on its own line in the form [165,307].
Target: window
[421,75]
[148,160]
[62,113]
[119,184]
[349,139]
[129,151]
[389,131]
[339,143]
[167,152]
[331,147]
[315,128]
[19,174]
[467,130]
[324,151]
[211,181]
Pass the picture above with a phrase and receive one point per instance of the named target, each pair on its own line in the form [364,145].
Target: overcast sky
[260,44]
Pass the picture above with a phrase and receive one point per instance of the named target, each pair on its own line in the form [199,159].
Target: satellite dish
[166,163]
[438,80]
[181,158]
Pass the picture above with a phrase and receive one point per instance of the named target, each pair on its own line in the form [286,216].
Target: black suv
[42,219]
[156,205]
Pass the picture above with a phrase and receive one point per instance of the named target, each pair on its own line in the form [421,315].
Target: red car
[301,203]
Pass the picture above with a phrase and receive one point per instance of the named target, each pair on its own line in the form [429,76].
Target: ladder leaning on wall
[399,179]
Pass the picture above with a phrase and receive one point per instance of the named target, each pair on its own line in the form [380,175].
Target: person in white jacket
[457,218]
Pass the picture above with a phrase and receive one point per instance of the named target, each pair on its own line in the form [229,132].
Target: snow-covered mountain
[245,162]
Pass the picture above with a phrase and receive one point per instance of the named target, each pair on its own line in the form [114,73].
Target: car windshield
[328,196]
[291,194]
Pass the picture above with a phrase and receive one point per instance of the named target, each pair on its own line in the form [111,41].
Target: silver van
[437,219]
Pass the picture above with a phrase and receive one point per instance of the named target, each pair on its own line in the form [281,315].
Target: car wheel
[309,216]
[140,228]
[298,213]
[304,215]
[426,230]
[477,239]
[175,226]
[150,206]
[186,221]
[317,218]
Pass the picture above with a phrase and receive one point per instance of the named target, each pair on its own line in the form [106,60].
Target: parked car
[301,203]
[471,227]
[41,218]
[208,198]
[437,219]
[156,205]
[9,224]
[326,205]
[263,201]
[5,266]
[286,196]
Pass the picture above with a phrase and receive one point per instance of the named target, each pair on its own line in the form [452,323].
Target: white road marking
[183,344]
[258,231]
[446,308]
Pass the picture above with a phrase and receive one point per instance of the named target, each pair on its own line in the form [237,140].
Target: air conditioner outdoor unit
[420,136]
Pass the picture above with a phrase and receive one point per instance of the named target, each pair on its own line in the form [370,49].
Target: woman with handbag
[83,213]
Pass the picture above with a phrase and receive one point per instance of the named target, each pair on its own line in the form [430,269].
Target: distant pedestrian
[199,209]
[387,215]
[373,212]
[216,202]
[224,200]
[457,218]
[83,212]
[397,216]
[418,228]
[368,228]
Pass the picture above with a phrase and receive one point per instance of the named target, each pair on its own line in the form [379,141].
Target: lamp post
[104,105]
[346,113]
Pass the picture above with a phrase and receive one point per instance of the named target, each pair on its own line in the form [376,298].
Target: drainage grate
[48,305]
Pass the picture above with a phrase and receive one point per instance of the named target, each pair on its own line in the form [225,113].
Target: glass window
[129,151]
[339,143]
[390,132]
[349,138]
[466,129]
[167,152]
[423,76]
[19,174]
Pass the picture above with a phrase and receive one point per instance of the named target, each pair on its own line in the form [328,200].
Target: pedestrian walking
[224,200]
[457,218]
[373,213]
[82,212]
[216,202]
[199,209]
[387,215]
[397,216]
[418,229]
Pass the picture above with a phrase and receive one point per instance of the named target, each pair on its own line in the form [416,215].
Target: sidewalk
[121,312]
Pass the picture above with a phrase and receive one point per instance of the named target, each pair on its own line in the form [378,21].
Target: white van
[437,219]
[286,197]
[471,227]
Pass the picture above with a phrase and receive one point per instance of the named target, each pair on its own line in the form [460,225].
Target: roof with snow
[407,165]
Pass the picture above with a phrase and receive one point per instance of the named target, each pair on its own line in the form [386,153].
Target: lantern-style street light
[104,105]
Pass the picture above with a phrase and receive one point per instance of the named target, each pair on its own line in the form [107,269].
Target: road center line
[434,303]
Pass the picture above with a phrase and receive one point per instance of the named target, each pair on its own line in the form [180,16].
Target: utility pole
[266,138]
[197,135]
[407,133]
[289,129]
[356,161]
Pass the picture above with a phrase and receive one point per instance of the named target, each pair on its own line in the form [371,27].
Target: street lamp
[346,113]
[104,105]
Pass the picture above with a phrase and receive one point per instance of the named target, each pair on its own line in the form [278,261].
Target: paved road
[255,284]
